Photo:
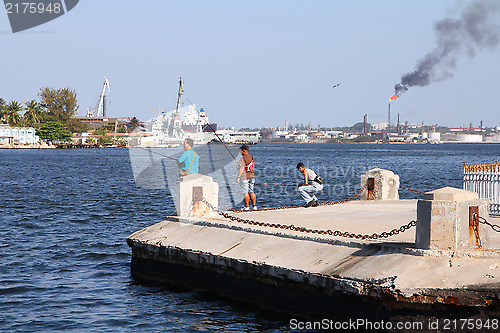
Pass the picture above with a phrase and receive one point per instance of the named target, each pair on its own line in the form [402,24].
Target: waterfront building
[470,138]
[96,122]
[279,134]
[492,138]
[435,136]
[17,135]
[248,137]
[380,126]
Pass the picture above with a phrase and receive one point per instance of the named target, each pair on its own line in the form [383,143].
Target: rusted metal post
[380,185]
[447,219]
[191,190]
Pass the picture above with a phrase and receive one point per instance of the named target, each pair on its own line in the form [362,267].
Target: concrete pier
[321,275]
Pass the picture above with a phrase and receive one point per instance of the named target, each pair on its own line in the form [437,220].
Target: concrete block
[451,194]
[190,190]
[382,185]
[444,221]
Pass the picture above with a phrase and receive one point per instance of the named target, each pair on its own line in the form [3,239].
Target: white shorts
[247,185]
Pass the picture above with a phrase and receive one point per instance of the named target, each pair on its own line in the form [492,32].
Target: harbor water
[65,215]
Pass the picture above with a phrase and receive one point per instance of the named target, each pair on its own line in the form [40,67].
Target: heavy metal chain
[351,198]
[298,206]
[482,220]
[328,203]
[338,233]
[411,189]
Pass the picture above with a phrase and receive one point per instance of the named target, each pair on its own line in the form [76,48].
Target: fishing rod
[223,169]
[217,135]
[276,184]
[154,152]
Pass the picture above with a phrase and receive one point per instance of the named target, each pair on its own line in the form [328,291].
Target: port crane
[100,109]
[174,129]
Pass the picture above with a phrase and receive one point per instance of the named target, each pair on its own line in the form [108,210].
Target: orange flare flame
[393,98]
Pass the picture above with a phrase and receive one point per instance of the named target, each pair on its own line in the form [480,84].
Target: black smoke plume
[476,29]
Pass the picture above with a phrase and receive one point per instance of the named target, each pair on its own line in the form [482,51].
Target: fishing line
[217,135]
[172,158]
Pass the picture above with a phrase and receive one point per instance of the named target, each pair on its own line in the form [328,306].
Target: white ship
[181,123]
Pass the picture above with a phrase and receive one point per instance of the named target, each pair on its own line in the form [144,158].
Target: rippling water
[65,215]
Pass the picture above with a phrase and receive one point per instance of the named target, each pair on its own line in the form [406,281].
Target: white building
[380,126]
[492,138]
[17,135]
[470,138]
[279,134]
[241,137]
[435,136]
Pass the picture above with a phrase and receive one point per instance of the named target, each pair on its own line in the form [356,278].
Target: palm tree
[33,114]
[12,113]
[133,124]
[2,110]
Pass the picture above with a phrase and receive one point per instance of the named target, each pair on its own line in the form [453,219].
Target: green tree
[76,126]
[2,110]
[105,140]
[104,129]
[365,138]
[53,131]
[60,104]
[34,114]
[11,113]
[133,124]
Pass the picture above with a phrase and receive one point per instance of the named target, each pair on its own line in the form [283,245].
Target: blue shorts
[247,185]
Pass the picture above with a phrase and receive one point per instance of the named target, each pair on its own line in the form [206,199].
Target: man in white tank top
[310,186]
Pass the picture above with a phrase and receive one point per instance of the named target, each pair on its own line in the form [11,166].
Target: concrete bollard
[191,189]
[381,185]
[445,220]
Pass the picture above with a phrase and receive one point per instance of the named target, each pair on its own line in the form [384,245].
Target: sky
[254,63]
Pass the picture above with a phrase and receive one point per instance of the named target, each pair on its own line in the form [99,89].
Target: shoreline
[70,146]
[27,147]
[382,143]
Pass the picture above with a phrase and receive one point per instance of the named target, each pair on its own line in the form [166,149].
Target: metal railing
[485,180]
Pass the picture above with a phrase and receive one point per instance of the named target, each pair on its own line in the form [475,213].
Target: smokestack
[389,119]
[399,126]
[104,106]
[365,125]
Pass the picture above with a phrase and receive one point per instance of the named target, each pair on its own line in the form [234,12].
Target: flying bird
[338,84]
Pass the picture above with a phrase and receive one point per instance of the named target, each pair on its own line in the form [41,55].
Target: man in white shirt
[311,185]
